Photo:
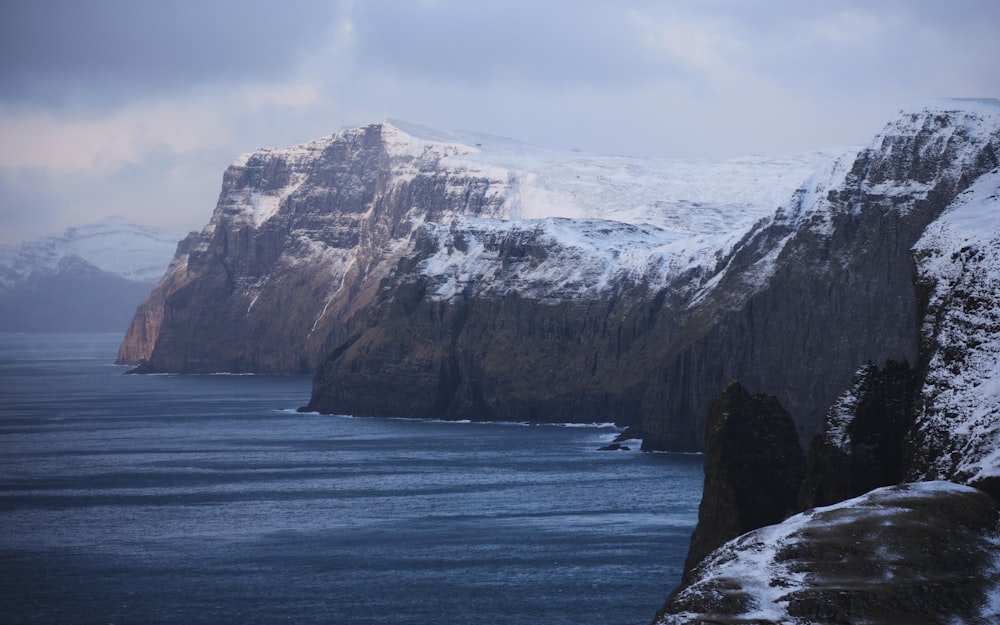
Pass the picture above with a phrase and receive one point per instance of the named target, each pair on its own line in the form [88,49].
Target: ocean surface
[208,499]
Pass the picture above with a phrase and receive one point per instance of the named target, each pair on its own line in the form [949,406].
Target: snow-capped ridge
[296,153]
[113,245]
[924,148]
[982,106]
[700,208]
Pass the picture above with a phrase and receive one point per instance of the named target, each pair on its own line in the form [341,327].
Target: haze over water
[208,499]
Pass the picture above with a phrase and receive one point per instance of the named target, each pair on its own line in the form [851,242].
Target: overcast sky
[135,108]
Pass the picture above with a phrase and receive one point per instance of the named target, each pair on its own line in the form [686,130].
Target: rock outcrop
[753,470]
[863,445]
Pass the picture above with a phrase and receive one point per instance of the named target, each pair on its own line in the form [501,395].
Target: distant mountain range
[91,278]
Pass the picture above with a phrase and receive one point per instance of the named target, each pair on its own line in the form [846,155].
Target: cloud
[104,145]
[703,46]
[96,53]
[552,43]
[113,104]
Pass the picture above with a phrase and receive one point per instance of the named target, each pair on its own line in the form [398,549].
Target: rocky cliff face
[956,434]
[753,470]
[288,268]
[863,444]
[537,321]
[825,285]
[908,459]
[295,248]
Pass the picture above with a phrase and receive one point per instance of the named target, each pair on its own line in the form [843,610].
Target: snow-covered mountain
[89,278]
[644,323]
[463,276]
[826,281]
[302,236]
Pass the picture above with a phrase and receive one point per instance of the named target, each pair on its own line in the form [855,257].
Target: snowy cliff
[957,429]
[452,275]
[89,278]
[301,237]
[900,505]
[826,282]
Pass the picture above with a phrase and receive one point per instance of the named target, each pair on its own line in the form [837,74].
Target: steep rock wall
[376,249]
[533,340]
[302,237]
[825,286]
[753,469]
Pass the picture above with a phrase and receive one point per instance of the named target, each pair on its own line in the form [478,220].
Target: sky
[135,108]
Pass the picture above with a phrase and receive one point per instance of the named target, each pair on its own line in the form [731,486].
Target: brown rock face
[507,354]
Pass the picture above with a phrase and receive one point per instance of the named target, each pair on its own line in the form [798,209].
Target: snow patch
[550,259]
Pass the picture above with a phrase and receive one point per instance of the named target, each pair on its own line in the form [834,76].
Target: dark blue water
[208,499]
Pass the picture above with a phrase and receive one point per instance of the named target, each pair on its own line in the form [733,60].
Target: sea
[189,499]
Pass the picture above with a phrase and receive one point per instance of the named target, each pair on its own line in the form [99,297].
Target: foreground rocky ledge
[915,553]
